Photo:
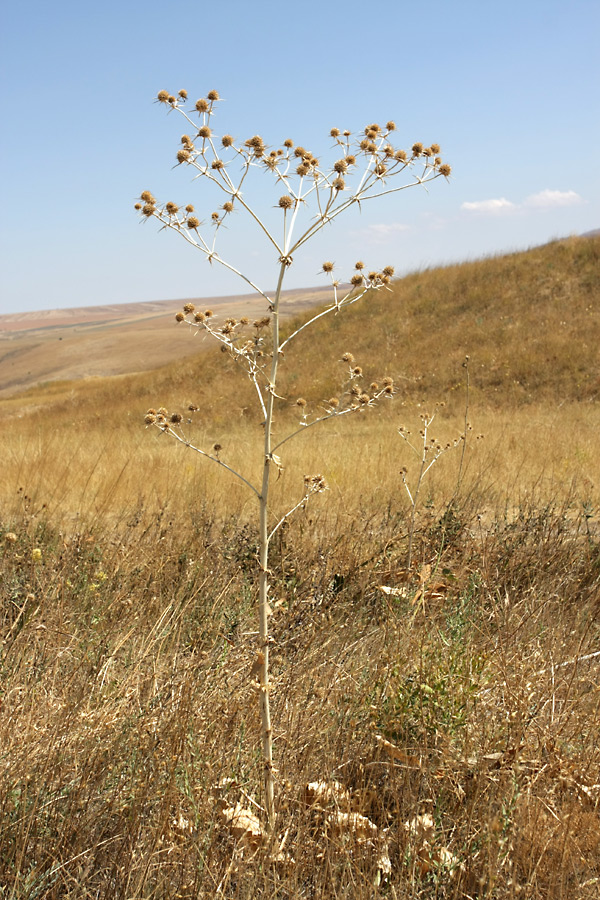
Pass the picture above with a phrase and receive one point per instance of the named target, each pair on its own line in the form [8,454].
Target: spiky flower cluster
[362,168]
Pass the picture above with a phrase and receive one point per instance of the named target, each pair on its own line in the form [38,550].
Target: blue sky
[509,90]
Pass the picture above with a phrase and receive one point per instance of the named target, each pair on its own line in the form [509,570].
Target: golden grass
[468,695]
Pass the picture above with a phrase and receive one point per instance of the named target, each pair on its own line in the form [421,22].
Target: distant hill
[529,321]
[65,344]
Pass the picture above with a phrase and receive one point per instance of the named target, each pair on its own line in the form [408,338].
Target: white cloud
[547,198]
[490,207]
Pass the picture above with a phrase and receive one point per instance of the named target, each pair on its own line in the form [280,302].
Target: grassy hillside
[436,730]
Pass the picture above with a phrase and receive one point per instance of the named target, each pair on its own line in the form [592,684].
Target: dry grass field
[437,731]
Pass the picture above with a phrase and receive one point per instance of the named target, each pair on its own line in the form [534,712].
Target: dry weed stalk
[311,196]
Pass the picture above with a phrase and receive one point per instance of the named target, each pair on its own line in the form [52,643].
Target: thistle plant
[307,196]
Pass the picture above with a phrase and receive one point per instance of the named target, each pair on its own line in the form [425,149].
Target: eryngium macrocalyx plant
[307,196]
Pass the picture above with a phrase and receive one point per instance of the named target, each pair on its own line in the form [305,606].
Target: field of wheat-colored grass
[436,731]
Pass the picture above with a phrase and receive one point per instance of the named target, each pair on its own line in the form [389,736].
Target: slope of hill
[529,321]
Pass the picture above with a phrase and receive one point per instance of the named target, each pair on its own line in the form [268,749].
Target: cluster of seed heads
[370,157]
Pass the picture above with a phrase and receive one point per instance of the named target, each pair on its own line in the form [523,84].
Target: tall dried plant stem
[265,708]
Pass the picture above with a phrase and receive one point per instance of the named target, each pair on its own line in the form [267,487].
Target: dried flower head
[199,316]
[417,148]
[328,267]
[189,208]
[391,125]
[348,357]
[202,105]
[171,208]
[335,132]
[388,270]
[193,222]
[227,206]
[333,402]
[301,402]
[204,131]
[213,95]
[435,148]
[364,398]
[148,209]
[359,265]
[163,96]
[147,197]
[357,371]
[286,202]
[183,155]
[149,419]
[227,140]
[208,313]
[303,169]
[176,418]
[188,307]
[356,280]
[217,164]
[339,184]
[445,169]
[137,206]
[183,94]
[179,317]
[217,447]
[288,143]
[400,155]
[341,166]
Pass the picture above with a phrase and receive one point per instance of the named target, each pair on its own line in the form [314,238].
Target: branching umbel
[308,195]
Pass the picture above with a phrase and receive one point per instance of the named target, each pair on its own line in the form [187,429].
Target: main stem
[263,606]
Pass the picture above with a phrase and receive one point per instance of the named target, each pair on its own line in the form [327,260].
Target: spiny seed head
[301,402]
[286,202]
[138,206]
[387,381]
[380,169]
[389,388]
[364,398]
[348,357]
[341,166]
[373,276]
[339,184]
[189,308]
[389,271]
[163,96]
[202,105]
[186,139]
[427,151]
[217,447]
[357,371]
[189,208]
[199,316]
[391,125]
[183,155]
[356,280]
[244,320]
[213,95]
[208,313]
[300,152]
[417,148]
[192,222]
[445,169]
[176,418]
[333,402]
[172,99]
[374,386]
[183,94]
[150,418]
[355,391]
[204,131]
[228,206]
[359,265]
[215,216]
[328,267]
[303,169]
[400,155]
[335,132]
[147,197]
[227,140]
[171,208]
[179,317]
[217,164]
[163,412]
[351,160]
[288,143]
[148,209]
[435,148]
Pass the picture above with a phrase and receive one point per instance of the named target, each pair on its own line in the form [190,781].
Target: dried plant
[308,196]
